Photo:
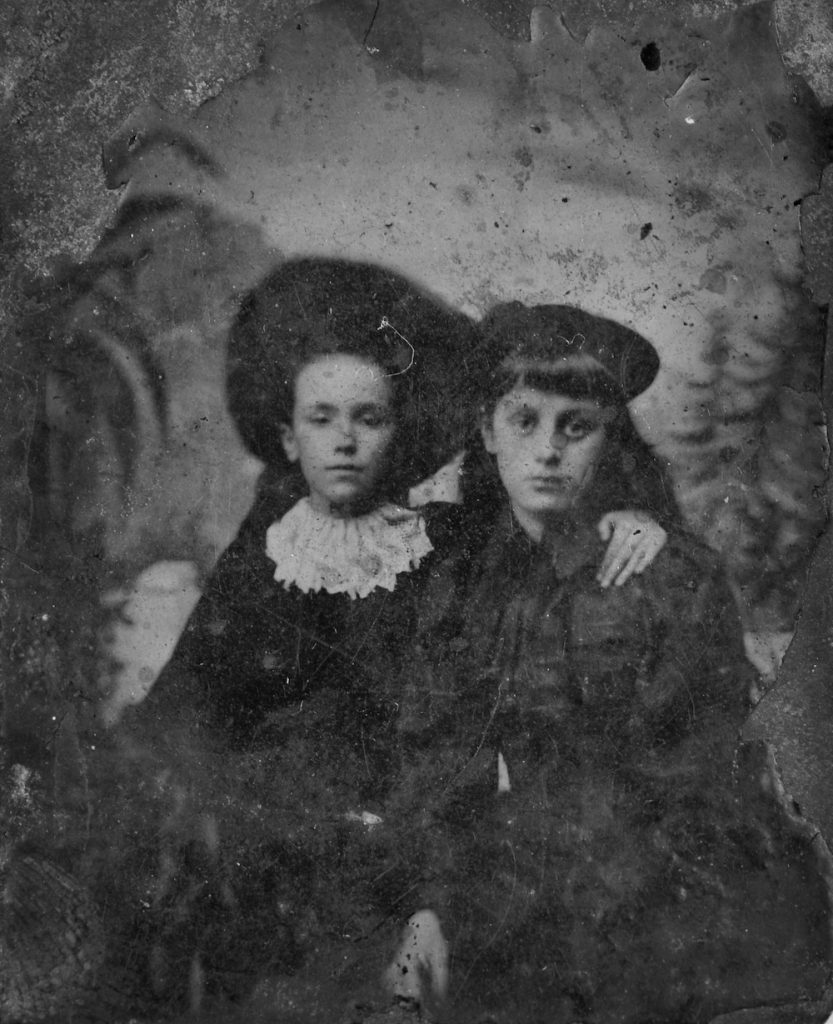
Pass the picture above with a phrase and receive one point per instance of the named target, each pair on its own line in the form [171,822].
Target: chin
[550,508]
[352,501]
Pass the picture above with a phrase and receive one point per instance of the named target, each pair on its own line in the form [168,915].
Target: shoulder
[244,557]
[443,524]
[242,577]
[686,587]
[455,529]
[685,578]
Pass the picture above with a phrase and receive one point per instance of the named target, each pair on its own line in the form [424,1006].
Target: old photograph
[415,558]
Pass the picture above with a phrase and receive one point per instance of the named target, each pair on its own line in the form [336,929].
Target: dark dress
[266,749]
[636,865]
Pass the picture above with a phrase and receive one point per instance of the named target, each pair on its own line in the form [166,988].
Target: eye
[525,420]
[319,419]
[374,418]
[579,427]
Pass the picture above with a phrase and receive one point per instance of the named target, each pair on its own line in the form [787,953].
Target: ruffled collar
[350,556]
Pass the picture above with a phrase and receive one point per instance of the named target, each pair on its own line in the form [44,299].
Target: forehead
[522,396]
[342,380]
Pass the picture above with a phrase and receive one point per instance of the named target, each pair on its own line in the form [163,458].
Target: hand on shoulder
[635,539]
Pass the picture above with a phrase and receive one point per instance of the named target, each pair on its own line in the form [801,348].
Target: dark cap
[548,336]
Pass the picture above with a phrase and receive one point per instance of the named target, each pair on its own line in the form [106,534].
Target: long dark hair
[563,350]
[309,308]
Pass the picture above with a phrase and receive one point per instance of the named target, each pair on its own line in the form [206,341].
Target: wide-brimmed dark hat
[553,335]
[309,307]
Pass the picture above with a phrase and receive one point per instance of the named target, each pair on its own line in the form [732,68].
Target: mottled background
[665,168]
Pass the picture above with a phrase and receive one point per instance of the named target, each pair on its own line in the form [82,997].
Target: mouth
[346,468]
[550,482]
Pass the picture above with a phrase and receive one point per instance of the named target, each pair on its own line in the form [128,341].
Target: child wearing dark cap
[596,845]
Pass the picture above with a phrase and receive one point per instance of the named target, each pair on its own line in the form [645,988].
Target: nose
[346,440]
[552,445]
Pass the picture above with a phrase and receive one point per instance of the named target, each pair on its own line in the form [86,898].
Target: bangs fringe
[589,382]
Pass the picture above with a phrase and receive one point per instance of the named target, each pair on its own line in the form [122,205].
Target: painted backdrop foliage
[652,174]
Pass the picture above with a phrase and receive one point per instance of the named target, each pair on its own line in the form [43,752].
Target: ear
[487,431]
[290,445]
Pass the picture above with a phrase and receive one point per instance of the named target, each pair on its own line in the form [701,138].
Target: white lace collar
[346,556]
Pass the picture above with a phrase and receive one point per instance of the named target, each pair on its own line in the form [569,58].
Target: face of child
[547,447]
[341,432]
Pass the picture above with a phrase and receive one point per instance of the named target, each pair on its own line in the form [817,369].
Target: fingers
[630,552]
[419,971]
[620,551]
[606,526]
[639,560]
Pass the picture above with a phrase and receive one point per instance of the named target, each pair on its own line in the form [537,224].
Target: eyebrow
[318,407]
[583,409]
[372,407]
[584,413]
[330,407]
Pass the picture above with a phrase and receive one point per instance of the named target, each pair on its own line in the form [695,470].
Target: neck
[532,526]
[347,510]
[537,527]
